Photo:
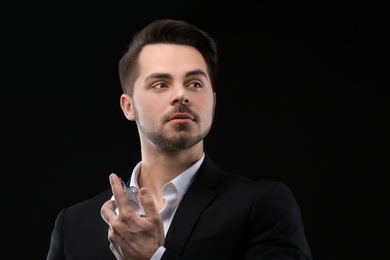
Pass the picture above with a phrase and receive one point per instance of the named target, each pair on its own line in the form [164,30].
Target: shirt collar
[181,182]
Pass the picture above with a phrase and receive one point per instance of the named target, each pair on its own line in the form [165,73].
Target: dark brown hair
[167,31]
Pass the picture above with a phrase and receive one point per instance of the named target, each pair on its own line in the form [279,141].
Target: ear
[215,102]
[127,107]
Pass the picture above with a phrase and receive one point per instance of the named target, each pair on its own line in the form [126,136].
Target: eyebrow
[159,75]
[196,72]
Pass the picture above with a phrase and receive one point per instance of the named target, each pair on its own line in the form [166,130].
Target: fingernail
[111,177]
[143,192]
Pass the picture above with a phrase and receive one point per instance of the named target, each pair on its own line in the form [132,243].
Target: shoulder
[272,188]
[276,200]
[89,207]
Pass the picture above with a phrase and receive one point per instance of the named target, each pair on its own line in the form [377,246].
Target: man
[191,208]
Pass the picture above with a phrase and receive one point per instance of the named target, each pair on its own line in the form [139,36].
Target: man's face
[173,101]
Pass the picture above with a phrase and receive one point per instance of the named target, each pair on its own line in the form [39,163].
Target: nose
[181,97]
[185,100]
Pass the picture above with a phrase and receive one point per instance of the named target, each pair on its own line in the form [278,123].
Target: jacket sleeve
[56,250]
[276,229]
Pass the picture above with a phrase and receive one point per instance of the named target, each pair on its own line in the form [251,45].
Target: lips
[181,116]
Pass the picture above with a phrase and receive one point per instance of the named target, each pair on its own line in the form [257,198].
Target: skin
[173,105]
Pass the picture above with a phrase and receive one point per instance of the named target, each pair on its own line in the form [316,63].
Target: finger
[147,203]
[107,212]
[116,185]
[120,197]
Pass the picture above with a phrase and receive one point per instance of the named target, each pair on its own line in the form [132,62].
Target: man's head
[166,31]
[167,76]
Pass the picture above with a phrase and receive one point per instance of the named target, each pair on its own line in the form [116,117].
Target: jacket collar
[198,196]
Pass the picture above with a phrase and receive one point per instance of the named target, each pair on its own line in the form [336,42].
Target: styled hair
[166,31]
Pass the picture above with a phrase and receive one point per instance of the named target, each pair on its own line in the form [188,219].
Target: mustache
[181,109]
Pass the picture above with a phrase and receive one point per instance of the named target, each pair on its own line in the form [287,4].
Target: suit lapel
[198,196]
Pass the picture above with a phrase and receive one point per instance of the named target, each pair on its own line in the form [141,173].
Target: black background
[302,98]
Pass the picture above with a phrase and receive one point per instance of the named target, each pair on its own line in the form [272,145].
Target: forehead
[169,58]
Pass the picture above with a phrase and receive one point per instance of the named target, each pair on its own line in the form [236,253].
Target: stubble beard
[180,140]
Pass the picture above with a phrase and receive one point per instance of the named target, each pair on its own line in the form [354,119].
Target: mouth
[181,118]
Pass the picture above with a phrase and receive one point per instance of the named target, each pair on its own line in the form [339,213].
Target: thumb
[147,203]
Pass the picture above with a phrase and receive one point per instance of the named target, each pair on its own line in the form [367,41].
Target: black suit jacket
[222,216]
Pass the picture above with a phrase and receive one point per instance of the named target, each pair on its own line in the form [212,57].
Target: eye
[195,84]
[159,85]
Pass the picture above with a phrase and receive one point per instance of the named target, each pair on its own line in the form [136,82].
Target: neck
[158,168]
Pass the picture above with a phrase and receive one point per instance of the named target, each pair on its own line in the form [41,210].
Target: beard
[180,137]
[180,140]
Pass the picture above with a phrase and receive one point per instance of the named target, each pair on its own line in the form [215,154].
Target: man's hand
[132,236]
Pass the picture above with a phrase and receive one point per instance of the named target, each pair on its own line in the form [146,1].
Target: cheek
[148,105]
[207,110]
[150,113]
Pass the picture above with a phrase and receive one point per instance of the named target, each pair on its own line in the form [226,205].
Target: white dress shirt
[172,192]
